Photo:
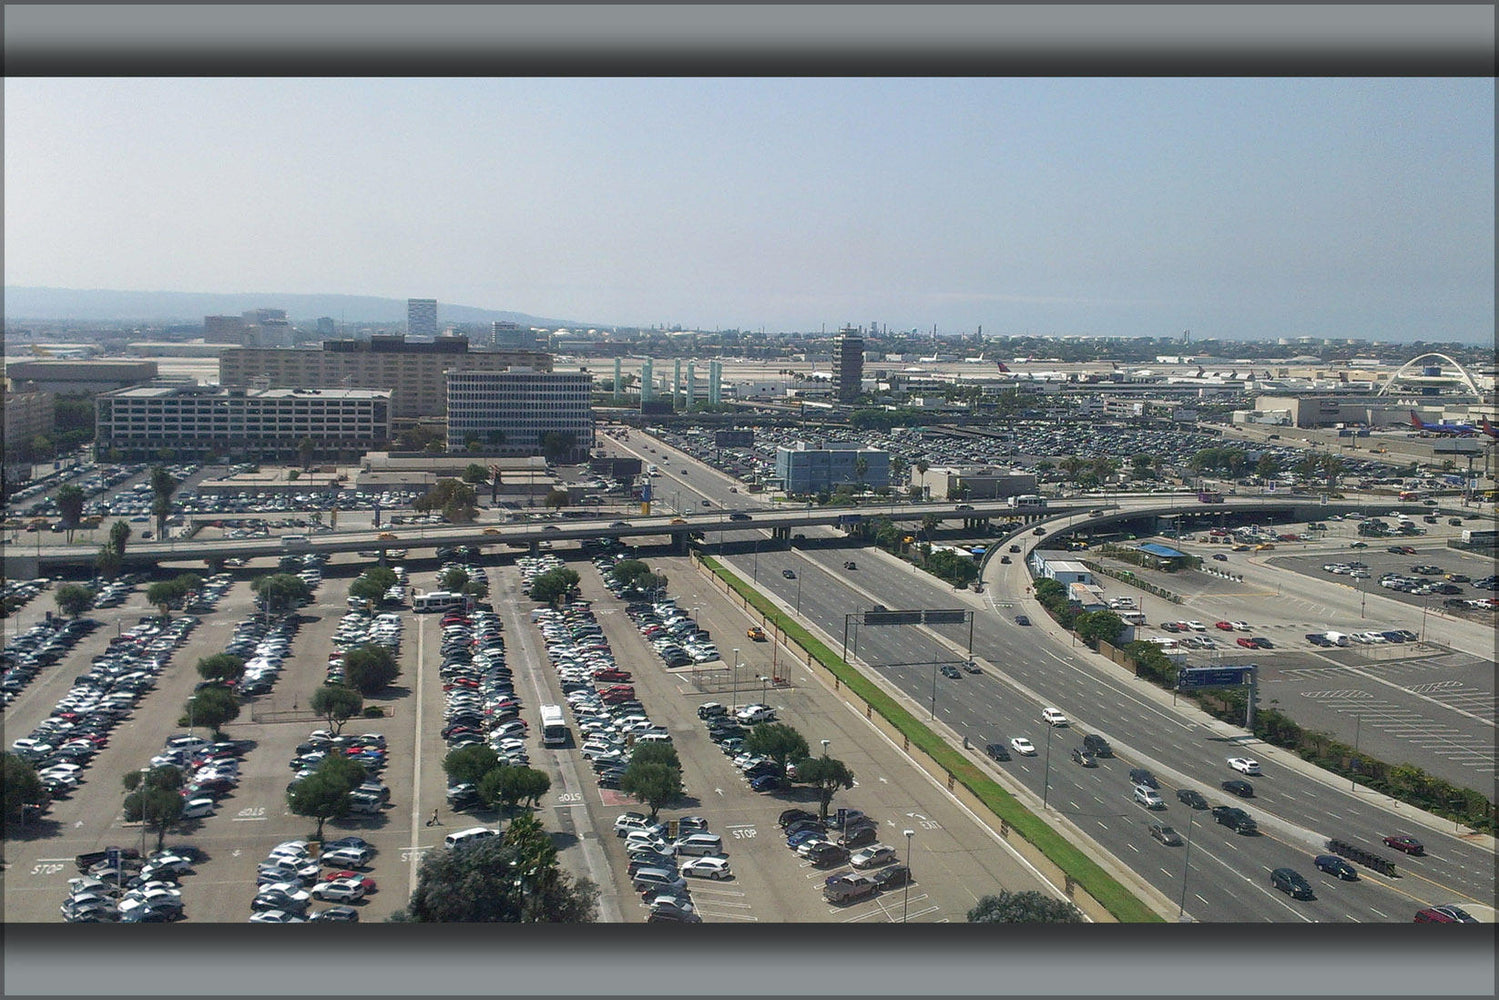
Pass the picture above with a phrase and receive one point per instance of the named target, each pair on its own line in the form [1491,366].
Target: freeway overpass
[22,562]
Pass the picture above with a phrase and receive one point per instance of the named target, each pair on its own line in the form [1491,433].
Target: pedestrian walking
[434,821]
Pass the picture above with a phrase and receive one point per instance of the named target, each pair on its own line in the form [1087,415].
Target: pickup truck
[849,888]
[92,858]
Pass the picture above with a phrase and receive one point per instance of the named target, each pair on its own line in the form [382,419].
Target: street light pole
[799,594]
[934,689]
[1181,908]
[905,898]
[1046,780]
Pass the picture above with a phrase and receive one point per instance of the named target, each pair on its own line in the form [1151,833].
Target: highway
[1025,669]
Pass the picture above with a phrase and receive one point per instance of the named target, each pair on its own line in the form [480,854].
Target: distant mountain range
[103,305]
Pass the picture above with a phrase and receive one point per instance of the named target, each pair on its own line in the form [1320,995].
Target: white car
[276,917]
[347,857]
[1197,626]
[714,868]
[198,808]
[756,713]
[626,822]
[1240,626]
[1023,746]
[1053,717]
[345,890]
[1244,765]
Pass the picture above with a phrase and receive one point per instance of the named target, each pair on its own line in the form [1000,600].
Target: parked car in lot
[892,877]
[848,888]
[708,867]
[872,857]
[827,854]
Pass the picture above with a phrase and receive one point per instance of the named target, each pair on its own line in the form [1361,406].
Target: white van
[1149,797]
[1336,638]
[700,845]
[470,836]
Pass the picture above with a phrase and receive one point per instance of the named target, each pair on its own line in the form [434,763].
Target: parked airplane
[1443,428]
[1488,428]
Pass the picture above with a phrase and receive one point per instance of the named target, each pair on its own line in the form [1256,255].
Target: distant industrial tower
[421,317]
[848,356]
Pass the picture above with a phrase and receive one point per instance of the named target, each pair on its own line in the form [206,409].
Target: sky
[1233,208]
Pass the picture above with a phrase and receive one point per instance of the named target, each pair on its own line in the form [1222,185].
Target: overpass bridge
[23,563]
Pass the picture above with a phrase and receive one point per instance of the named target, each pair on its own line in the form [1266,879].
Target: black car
[738,516]
[1239,787]
[790,816]
[788,574]
[1191,799]
[827,854]
[892,876]
[1235,819]
[997,752]
[948,670]
[1022,620]
[1165,834]
[1097,745]
[1140,776]
[1291,882]
[1335,866]
[859,836]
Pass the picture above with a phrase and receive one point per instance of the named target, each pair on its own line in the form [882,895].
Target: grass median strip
[1110,893]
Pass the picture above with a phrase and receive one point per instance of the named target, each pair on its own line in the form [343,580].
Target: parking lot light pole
[905,898]
[736,681]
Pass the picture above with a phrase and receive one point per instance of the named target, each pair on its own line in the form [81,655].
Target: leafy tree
[119,534]
[221,667]
[70,505]
[417,438]
[470,764]
[558,445]
[322,796]
[22,786]
[778,741]
[155,799]
[955,569]
[478,589]
[165,593]
[1098,626]
[629,572]
[73,599]
[337,704]
[475,474]
[656,753]
[306,448]
[497,789]
[1268,467]
[554,585]
[1029,907]
[211,707]
[453,579]
[109,560]
[556,499]
[827,775]
[654,784]
[531,785]
[369,669]
[456,499]
[370,588]
[499,880]
[280,591]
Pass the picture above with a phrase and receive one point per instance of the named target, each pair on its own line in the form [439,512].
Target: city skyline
[1239,209]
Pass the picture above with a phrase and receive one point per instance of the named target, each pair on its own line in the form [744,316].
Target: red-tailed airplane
[1443,428]
[1488,428]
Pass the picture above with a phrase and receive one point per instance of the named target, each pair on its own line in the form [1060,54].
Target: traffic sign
[1206,677]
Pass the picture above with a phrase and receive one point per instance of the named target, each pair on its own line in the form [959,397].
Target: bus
[1028,500]
[553,729]
[437,600]
[1209,496]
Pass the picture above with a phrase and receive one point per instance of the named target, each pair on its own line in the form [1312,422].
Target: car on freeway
[1457,913]
[711,868]
[1244,765]
[789,574]
[1220,557]
[872,857]
[950,671]
[1192,798]
[1407,844]
[1165,834]
[1292,883]
[1140,776]
[1081,756]
[1335,866]
[997,752]
[1023,746]
[1239,787]
[1053,717]
[1022,620]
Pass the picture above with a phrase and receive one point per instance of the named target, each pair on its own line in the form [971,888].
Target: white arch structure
[1465,375]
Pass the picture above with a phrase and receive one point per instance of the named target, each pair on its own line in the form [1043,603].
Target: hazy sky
[1233,208]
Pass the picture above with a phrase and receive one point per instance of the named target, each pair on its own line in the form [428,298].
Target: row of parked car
[62,745]
[365,749]
[361,628]
[672,633]
[292,876]
[663,855]
[481,705]
[119,885]
[41,645]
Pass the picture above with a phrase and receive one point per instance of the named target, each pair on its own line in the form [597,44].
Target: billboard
[1209,677]
[734,439]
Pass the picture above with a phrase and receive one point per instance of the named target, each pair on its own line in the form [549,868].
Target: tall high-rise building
[421,317]
[848,357]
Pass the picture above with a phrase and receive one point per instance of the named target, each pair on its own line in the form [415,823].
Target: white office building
[512,412]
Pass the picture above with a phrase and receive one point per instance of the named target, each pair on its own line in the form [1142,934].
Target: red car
[1434,916]
[1410,845]
[364,880]
[1246,642]
[611,675]
[1225,626]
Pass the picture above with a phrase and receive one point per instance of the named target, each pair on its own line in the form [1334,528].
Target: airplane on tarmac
[1443,428]
[1488,428]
